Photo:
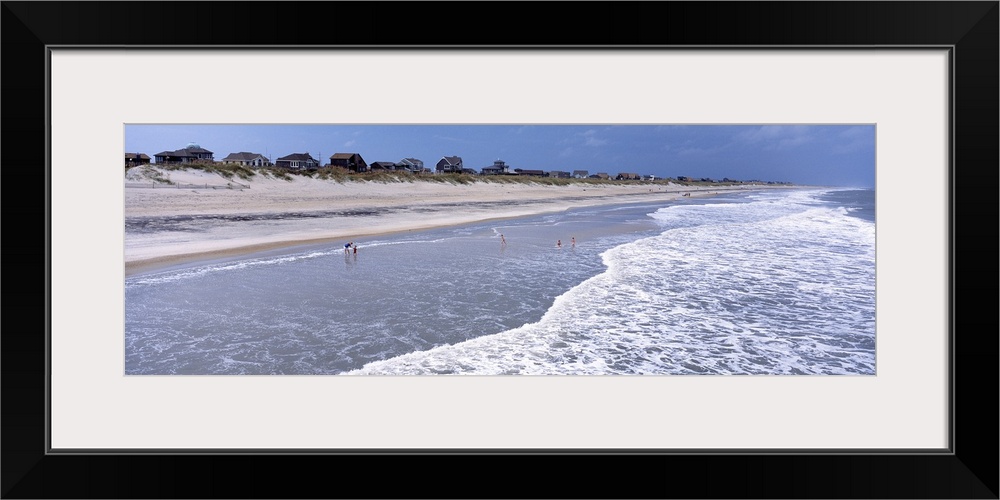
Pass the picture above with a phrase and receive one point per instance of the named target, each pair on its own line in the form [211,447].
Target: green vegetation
[342,175]
[277,173]
[224,169]
[152,174]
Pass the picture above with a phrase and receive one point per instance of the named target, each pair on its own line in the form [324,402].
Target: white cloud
[591,139]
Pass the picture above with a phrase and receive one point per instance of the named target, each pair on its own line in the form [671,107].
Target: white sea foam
[775,286]
[774,283]
[198,272]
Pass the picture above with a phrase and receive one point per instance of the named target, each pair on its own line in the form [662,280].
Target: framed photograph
[135,378]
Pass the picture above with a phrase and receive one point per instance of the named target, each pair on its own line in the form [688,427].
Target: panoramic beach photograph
[479,249]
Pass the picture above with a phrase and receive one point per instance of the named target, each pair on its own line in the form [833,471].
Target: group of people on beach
[503,242]
[349,246]
[572,242]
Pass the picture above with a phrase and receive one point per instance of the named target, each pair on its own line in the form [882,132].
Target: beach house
[411,164]
[449,165]
[247,159]
[580,174]
[628,176]
[383,165]
[536,173]
[498,168]
[133,159]
[297,161]
[190,154]
[351,161]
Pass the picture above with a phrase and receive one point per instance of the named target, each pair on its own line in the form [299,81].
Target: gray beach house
[449,165]
[192,153]
[297,161]
[498,168]
[247,159]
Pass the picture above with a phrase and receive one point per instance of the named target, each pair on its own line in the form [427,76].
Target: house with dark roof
[600,175]
[498,168]
[449,165]
[192,153]
[559,174]
[383,165]
[297,161]
[580,174]
[351,161]
[133,159]
[627,176]
[536,173]
[247,159]
[411,164]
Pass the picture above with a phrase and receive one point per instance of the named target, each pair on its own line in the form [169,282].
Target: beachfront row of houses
[353,162]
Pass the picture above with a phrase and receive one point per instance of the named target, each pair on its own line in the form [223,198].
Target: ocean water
[776,282]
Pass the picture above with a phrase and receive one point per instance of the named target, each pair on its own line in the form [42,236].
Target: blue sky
[826,155]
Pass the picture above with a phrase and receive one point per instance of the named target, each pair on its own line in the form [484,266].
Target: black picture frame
[968,470]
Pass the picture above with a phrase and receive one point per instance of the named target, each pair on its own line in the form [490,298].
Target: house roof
[137,155]
[179,152]
[184,152]
[343,156]
[243,155]
[384,164]
[297,156]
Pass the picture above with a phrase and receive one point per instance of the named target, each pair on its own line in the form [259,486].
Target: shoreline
[388,209]
[162,262]
[153,264]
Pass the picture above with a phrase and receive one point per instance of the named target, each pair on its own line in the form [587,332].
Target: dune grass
[342,175]
[226,170]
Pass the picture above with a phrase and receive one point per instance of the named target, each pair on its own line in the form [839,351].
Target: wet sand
[204,216]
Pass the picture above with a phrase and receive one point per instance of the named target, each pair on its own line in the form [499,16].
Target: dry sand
[216,217]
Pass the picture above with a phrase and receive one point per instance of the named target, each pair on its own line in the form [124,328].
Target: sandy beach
[209,216]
